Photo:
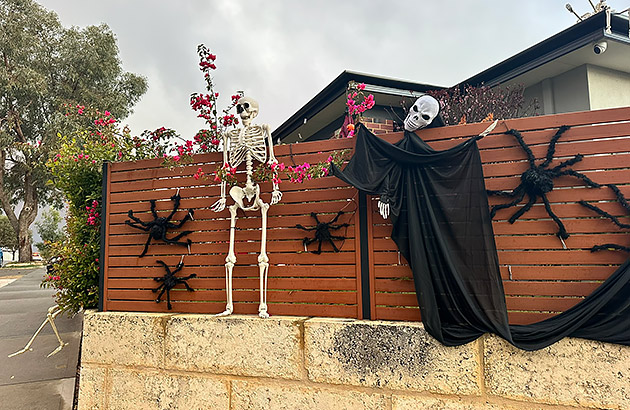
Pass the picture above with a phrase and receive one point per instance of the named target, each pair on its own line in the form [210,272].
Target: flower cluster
[356,104]
[225,173]
[268,172]
[93,214]
[199,173]
[205,104]
[306,171]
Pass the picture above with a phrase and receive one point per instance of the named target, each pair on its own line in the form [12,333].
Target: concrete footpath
[31,380]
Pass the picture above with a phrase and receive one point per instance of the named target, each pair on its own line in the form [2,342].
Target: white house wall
[608,88]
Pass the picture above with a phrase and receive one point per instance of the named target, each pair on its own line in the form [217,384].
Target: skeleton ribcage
[250,139]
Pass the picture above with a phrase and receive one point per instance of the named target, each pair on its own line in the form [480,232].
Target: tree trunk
[27,214]
[24,241]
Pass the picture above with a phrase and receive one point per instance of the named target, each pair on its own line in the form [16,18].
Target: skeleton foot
[263,313]
[227,312]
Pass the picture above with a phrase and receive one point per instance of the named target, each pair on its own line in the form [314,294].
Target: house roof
[563,51]
[329,104]
[568,49]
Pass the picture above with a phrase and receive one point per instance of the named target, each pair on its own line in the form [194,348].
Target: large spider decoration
[622,200]
[158,227]
[537,181]
[169,281]
[322,233]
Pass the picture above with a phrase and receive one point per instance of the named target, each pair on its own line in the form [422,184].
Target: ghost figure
[422,113]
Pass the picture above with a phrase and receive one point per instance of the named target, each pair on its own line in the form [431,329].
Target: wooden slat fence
[540,277]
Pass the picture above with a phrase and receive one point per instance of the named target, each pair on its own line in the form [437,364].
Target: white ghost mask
[423,111]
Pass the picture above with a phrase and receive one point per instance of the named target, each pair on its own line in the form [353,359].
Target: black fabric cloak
[441,224]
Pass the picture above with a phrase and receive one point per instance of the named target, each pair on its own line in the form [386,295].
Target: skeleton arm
[276,195]
[220,204]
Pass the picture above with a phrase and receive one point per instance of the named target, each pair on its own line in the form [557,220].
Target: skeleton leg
[263,262]
[230,260]
[53,312]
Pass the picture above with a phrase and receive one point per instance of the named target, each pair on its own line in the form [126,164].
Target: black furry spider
[169,281]
[158,227]
[537,181]
[322,232]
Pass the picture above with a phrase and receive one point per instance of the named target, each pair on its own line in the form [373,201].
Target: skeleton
[246,145]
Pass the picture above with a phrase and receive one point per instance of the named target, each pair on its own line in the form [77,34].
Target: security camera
[600,47]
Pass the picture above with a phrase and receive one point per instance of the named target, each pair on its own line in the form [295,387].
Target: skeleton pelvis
[246,198]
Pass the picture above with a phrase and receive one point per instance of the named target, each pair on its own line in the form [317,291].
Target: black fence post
[101,259]
[365,256]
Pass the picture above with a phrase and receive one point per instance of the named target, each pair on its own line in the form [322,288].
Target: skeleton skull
[423,111]
[247,108]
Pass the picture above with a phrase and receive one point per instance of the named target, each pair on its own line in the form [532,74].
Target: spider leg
[305,229]
[143,227]
[567,163]
[334,228]
[175,238]
[146,247]
[164,265]
[580,176]
[622,199]
[159,298]
[168,299]
[188,217]
[159,287]
[505,194]
[519,198]
[314,215]
[525,208]
[530,155]
[153,211]
[551,149]
[335,218]
[610,246]
[183,280]
[319,248]
[177,268]
[176,201]
[605,214]
[339,238]
[562,231]
[330,239]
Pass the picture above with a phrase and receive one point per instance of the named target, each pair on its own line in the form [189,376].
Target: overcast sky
[283,52]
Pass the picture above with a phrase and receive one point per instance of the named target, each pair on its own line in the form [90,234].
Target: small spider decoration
[322,233]
[537,181]
[622,200]
[169,281]
[158,227]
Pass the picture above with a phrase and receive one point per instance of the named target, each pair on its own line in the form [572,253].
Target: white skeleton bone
[246,145]
[53,312]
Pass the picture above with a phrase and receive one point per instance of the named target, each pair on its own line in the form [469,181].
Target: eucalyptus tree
[44,69]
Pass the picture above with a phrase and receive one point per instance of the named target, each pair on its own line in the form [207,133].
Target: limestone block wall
[162,361]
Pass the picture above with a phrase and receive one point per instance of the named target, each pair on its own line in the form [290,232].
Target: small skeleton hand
[383,209]
[276,196]
[219,205]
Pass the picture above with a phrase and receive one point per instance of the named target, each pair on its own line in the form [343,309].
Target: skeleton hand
[219,205]
[383,209]
[276,196]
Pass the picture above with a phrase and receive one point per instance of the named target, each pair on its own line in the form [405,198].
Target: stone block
[574,372]
[123,338]
[274,396]
[395,355]
[157,390]
[434,403]
[92,390]
[236,345]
